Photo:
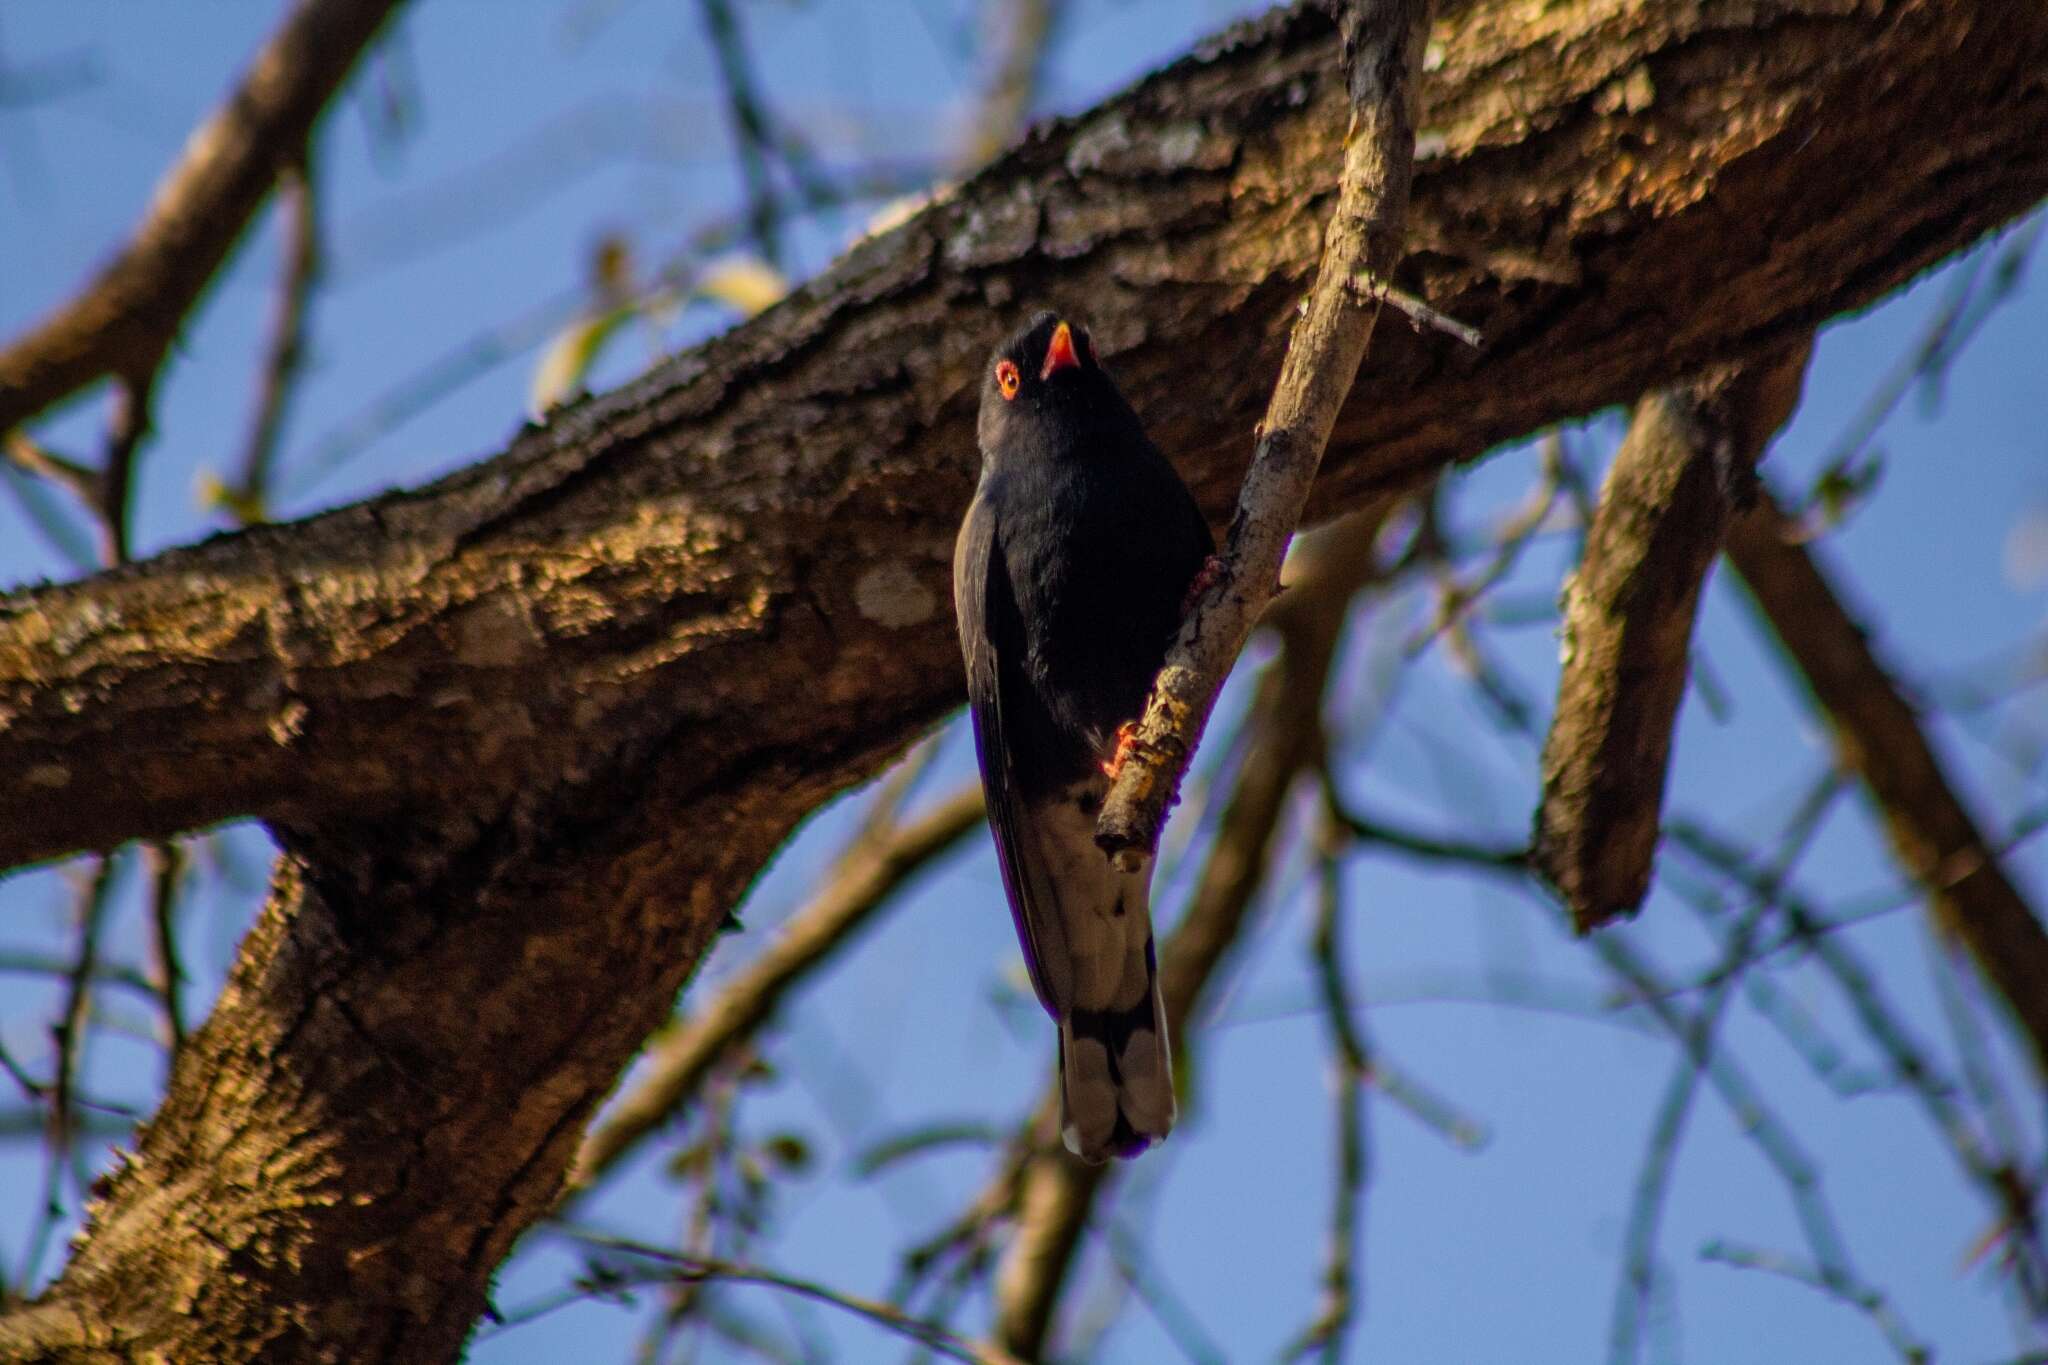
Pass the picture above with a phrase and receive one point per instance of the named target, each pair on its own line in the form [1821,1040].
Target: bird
[1071,573]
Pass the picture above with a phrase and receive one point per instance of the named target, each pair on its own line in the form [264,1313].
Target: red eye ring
[1007,379]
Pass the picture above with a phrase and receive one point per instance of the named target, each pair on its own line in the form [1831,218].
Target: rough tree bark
[527,734]
[1687,465]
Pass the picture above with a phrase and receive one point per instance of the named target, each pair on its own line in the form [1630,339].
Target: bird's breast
[1099,593]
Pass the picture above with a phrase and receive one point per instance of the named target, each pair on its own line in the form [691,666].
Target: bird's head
[1043,393]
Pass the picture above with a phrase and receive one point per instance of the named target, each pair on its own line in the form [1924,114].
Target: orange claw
[1205,578]
[1126,745]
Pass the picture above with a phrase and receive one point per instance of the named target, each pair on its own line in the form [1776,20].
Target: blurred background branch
[514,217]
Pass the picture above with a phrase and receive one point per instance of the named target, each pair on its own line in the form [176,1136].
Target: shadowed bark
[787,493]
[527,735]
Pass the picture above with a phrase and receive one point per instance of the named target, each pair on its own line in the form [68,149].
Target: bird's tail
[1116,1076]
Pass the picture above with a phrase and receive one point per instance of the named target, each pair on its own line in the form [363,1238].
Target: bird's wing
[992,642]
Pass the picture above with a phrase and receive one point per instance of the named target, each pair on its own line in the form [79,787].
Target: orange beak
[1059,353]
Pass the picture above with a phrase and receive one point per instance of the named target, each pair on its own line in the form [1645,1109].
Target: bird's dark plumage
[1068,579]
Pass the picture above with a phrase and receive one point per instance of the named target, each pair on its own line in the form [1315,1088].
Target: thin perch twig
[1383,41]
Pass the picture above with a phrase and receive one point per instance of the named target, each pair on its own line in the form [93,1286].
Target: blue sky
[536,129]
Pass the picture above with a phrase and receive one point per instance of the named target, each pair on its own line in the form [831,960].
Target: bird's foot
[1126,745]
[1206,577]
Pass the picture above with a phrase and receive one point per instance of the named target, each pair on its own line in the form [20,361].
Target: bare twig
[1456,598]
[1880,739]
[751,134]
[17,1124]
[126,317]
[966,1240]
[1383,41]
[478,354]
[1168,1309]
[167,868]
[1026,30]
[1973,1051]
[923,1139]
[1429,848]
[128,426]
[1325,1336]
[27,455]
[1831,1282]
[69,1030]
[758,135]
[1783,1010]
[1963,311]
[50,518]
[1752,1116]
[1909,1062]
[1421,315]
[1684,469]
[872,868]
[248,495]
[1661,1155]
[696,1270]
[17,962]
[2008,1188]
[425,384]
[68,1038]
[1632,1296]
[19,1074]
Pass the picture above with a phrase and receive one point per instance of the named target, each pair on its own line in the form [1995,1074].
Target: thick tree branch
[1687,464]
[528,734]
[784,498]
[124,320]
[1880,739]
[1383,42]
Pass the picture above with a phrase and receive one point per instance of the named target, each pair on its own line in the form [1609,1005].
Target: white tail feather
[1115,1105]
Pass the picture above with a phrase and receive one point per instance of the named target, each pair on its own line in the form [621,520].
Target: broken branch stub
[1686,467]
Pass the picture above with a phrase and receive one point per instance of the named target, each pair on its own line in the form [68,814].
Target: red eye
[1007,379]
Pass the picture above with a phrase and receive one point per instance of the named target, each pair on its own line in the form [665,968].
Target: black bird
[1069,579]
